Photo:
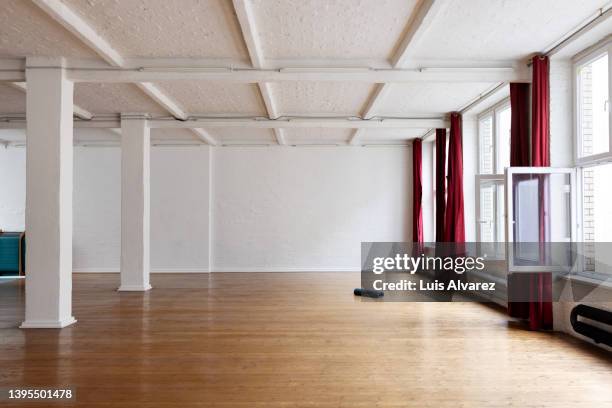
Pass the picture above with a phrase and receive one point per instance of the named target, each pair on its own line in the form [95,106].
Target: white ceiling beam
[248,26]
[260,123]
[387,123]
[162,99]
[246,19]
[77,26]
[78,111]
[419,21]
[433,74]
[205,136]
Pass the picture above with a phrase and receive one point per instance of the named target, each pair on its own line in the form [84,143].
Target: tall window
[494,157]
[593,107]
[593,151]
[494,139]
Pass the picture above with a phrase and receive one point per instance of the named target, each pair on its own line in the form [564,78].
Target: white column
[135,203]
[48,195]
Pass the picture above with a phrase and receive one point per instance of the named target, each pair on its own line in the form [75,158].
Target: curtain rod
[601,14]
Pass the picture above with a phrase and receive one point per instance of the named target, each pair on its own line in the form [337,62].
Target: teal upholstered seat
[12,253]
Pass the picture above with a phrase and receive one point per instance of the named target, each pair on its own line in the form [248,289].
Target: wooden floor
[290,340]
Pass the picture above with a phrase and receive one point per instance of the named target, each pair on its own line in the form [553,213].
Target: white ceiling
[501,29]
[331,29]
[298,32]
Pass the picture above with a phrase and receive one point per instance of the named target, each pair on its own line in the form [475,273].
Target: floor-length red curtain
[454,225]
[519,124]
[540,306]
[417,191]
[540,112]
[519,283]
[440,183]
[534,287]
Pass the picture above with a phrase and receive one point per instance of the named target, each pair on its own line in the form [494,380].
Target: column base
[134,288]
[47,324]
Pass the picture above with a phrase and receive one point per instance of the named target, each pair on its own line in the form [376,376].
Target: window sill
[589,281]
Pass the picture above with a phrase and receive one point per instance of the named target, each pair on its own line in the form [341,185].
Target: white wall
[307,208]
[180,206]
[275,208]
[12,189]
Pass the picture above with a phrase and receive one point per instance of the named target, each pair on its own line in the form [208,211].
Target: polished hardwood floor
[289,340]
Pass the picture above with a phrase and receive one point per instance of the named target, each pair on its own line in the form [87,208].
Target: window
[494,157]
[594,155]
[593,107]
[494,139]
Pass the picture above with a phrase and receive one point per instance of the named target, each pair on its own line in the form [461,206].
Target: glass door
[540,218]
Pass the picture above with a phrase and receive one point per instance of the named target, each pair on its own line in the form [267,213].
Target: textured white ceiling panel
[428,98]
[331,29]
[208,97]
[107,98]
[501,29]
[12,100]
[25,30]
[321,98]
[317,136]
[242,135]
[163,28]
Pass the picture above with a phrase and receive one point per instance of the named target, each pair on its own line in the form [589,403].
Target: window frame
[479,179]
[585,57]
[492,111]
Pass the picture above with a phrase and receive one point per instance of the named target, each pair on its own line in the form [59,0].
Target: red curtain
[540,307]
[519,127]
[440,183]
[537,287]
[454,226]
[519,283]
[417,191]
[540,150]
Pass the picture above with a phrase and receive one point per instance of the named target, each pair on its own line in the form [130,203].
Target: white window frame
[574,203]
[583,58]
[492,111]
[479,179]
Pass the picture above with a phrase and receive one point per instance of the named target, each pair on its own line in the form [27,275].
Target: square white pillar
[135,203]
[48,216]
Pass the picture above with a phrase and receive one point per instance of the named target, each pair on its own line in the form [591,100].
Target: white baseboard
[47,324]
[226,269]
[134,288]
[285,269]
[153,270]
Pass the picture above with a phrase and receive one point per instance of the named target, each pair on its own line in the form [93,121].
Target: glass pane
[492,207]
[487,212]
[485,131]
[503,139]
[541,212]
[596,214]
[594,107]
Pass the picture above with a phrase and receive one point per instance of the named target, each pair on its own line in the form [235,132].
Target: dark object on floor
[368,293]
[597,315]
